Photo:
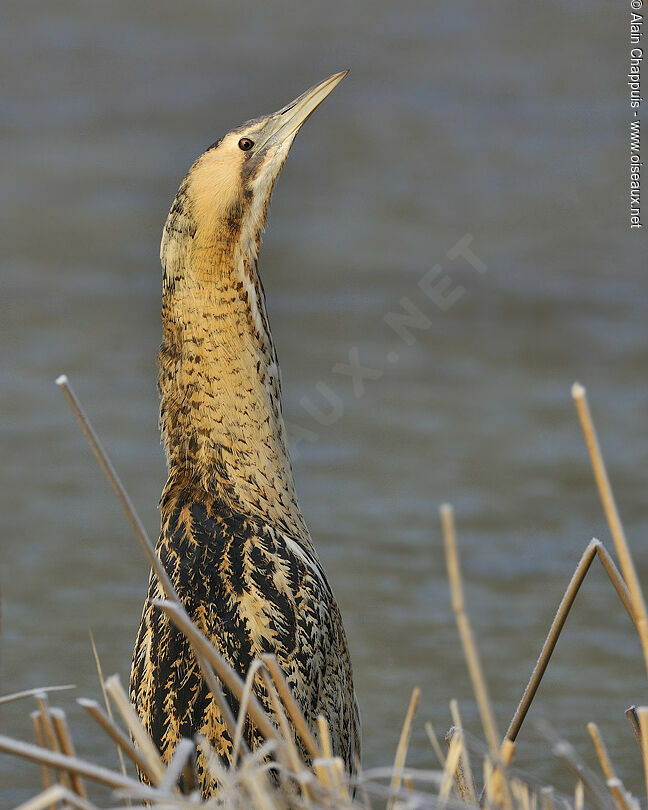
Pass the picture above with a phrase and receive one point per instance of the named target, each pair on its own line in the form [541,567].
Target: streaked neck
[219,380]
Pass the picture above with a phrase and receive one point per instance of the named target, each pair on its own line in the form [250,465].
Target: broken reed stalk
[403,745]
[594,548]
[612,514]
[616,579]
[465,630]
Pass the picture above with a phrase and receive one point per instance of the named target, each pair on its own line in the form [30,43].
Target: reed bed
[275,776]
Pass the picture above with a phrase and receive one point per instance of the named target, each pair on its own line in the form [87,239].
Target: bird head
[227,191]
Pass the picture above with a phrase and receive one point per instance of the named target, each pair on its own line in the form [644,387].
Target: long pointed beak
[290,118]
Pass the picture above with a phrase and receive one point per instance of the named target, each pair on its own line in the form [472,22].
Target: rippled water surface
[503,121]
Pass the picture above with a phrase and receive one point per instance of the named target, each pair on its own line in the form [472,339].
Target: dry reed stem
[292,708]
[324,772]
[500,790]
[601,751]
[617,580]
[47,778]
[633,719]
[465,631]
[135,726]
[579,795]
[97,660]
[121,740]
[329,769]
[41,690]
[46,723]
[403,744]
[642,713]
[340,775]
[463,774]
[611,513]
[54,795]
[67,747]
[96,773]
[434,742]
[111,474]
[617,790]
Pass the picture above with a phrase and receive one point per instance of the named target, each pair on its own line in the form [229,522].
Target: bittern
[233,538]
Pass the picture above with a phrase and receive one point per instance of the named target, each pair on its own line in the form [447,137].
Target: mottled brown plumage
[233,537]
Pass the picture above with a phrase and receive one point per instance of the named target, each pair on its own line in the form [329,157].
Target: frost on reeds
[276,776]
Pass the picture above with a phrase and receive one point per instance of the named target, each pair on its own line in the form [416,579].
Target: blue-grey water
[504,123]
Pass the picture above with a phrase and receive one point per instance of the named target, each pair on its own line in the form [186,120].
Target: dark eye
[245,144]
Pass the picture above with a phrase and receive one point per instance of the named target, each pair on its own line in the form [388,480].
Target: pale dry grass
[323,783]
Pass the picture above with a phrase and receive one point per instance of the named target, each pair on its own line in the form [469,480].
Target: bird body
[233,538]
